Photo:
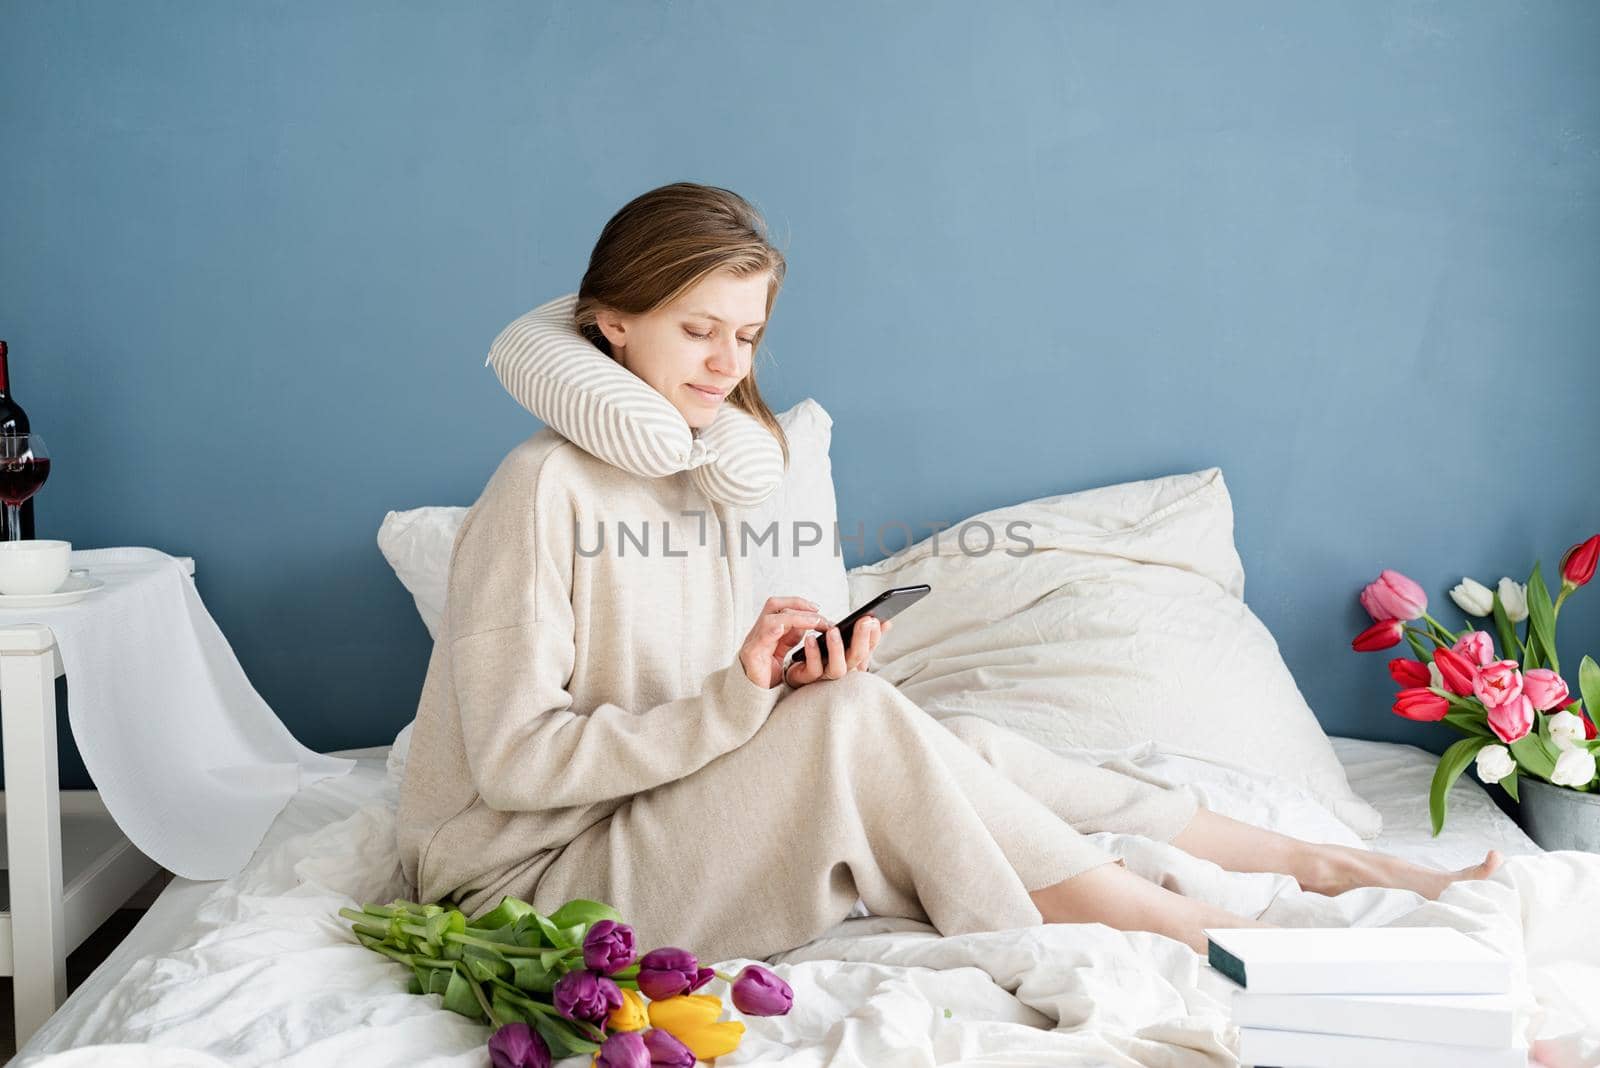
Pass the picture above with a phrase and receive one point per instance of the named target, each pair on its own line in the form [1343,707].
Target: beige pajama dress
[586,730]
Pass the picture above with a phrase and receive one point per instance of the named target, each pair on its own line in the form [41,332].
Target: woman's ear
[615,329]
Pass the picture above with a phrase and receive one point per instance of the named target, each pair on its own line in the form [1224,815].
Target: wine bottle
[13,420]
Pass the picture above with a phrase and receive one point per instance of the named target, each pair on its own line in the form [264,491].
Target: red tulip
[1393,596]
[1588,727]
[1420,703]
[1577,565]
[1410,672]
[1456,671]
[1384,634]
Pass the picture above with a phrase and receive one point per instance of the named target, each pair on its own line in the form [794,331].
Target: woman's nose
[727,360]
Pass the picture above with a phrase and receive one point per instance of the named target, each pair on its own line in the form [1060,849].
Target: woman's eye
[702,337]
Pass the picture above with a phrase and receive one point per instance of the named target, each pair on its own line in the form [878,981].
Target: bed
[258,969]
[1122,632]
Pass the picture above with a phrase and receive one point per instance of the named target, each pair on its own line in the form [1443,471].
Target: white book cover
[1357,960]
[1447,1019]
[1302,1048]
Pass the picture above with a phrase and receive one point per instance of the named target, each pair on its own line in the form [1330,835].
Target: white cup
[31,567]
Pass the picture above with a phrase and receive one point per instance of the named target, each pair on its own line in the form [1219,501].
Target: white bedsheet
[258,969]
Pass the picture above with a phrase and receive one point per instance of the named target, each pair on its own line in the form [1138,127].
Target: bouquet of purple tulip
[567,984]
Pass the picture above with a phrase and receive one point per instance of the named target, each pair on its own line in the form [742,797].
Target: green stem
[1562,596]
[1428,634]
[504,949]
[483,1002]
[726,978]
[1442,629]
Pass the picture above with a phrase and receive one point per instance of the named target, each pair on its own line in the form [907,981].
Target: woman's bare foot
[1336,869]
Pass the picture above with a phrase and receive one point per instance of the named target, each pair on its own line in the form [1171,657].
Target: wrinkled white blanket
[265,973]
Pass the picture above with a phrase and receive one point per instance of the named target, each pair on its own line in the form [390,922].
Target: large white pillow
[418,542]
[1126,622]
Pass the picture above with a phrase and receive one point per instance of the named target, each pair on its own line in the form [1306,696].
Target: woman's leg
[849,789]
[1116,897]
[1325,869]
[1112,798]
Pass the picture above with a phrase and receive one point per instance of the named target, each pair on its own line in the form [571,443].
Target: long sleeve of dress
[509,620]
[528,750]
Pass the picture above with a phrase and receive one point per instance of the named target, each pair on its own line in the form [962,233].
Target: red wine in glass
[24,466]
[21,479]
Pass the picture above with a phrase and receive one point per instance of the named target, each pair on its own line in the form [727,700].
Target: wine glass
[24,465]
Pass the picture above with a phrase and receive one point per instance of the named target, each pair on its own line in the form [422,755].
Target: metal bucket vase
[1559,818]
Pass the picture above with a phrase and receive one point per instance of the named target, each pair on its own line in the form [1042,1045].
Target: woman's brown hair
[660,245]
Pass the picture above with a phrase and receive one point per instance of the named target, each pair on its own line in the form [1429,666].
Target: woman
[583,733]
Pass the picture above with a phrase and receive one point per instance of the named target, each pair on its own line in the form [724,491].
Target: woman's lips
[708,394]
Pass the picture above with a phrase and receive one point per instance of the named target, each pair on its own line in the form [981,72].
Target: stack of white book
[1327,997]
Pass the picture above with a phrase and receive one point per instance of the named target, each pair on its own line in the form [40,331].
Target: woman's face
[694,350]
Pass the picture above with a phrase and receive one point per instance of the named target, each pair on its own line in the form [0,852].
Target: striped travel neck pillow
[552,370]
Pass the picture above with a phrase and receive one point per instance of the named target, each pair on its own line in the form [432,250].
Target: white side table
[69,865]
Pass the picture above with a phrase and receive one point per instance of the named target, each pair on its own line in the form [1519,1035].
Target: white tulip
[1566,730]
[1495,763]
[1575,768]
[1473,597]
[1514,596]
[1435,677]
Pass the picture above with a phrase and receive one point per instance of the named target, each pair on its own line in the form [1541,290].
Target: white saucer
[78,586]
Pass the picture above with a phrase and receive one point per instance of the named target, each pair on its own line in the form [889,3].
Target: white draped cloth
[189,760]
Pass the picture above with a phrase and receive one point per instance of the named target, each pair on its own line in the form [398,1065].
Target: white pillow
[417,543]
[555,372]
[1125,623]
[802,509]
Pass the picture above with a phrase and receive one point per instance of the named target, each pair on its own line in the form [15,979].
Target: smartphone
[886,605]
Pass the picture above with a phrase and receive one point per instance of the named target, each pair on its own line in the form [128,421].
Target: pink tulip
[1477,647]
[1456,671]
[1384,634]
[1409,672]
[1393,596]
[1544,688]
[1512,720]
[1498,683]
[1420,704]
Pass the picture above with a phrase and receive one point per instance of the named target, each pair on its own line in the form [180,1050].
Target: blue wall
[252,255]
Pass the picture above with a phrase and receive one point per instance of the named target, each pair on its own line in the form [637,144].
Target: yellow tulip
[692,1020]
[630,1015]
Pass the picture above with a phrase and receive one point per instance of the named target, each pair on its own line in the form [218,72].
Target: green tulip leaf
[1532,753]
[458,997]
[531,975]
[552,933]
[1511,648]
[1509,784]
[414,986]
[1589,683]
[562,1037]
[509,1012]
[585,912]
[502,915]
[1451,765]
[1418,648]
[1542,619]
[484,964]
[1469,723]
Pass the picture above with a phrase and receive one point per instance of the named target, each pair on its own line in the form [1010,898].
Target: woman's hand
[809,668]
[779,628]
